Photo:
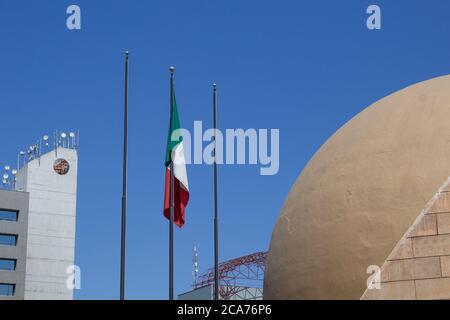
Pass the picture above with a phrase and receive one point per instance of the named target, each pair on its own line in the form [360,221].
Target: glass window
[8,264]
[7,289]
[8,239]
[9,215]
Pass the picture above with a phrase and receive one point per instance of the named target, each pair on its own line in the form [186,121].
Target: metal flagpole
[172,180]
[216,219]
[124,186]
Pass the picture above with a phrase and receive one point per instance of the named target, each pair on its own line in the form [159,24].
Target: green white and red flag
[175,153]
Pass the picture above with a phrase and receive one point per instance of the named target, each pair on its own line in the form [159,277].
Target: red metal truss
[239,278]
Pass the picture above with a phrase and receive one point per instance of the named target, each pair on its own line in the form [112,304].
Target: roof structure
[239,279]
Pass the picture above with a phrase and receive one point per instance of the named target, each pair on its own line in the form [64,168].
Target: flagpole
[216,218]
[124,185]
[172,181]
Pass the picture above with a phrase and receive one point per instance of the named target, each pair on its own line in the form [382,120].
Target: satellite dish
[46,138]
[63,135]
[72,135]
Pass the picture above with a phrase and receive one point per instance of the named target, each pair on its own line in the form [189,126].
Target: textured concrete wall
[419,265]
[51,226]
[11,200]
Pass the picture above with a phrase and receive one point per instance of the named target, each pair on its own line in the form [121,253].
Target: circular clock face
[61,166]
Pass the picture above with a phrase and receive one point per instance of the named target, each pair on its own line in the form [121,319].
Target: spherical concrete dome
[359,194]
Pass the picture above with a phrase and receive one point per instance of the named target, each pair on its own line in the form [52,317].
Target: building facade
[37,228]
[13,243]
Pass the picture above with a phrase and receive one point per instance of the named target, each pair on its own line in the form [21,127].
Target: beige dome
[359,194]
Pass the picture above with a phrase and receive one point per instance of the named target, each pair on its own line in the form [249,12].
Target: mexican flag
[181,187]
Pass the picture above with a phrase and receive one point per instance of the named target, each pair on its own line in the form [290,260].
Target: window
[9,215]
[8,264]
[8,239]
[7,289]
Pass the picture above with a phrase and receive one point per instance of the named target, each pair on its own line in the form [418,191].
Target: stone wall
[419,265]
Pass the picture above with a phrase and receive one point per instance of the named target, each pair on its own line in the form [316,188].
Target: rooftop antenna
[5,180]
[19,155]
[33,152]
[55,142]
[195,267]
[72,140]
[30,153]
[6,176]
[38,150]
[63,139]
[14,173]
[45,138]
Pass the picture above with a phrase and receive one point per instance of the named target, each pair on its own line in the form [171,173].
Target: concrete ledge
[431,246]
[401,290]
[411,269]
[442,204]
[433,289]
[426,227]
[443,223]
[403,251]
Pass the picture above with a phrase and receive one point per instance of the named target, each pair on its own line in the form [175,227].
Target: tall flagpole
[216,218]
[124,186]
[172,181]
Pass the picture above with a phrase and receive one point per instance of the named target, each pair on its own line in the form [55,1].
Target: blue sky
[305,67]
